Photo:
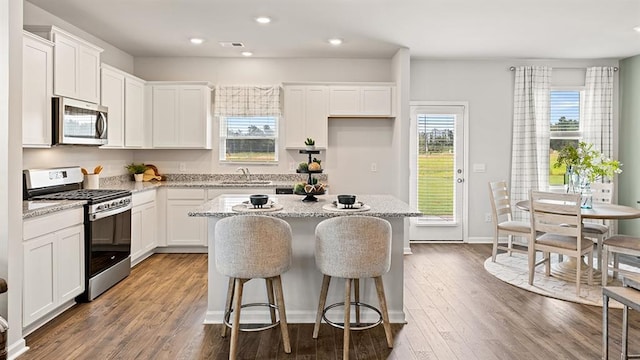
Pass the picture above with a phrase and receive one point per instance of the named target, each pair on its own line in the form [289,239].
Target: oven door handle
[104,214]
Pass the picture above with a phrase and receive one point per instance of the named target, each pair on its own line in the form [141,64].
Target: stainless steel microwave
[78,122]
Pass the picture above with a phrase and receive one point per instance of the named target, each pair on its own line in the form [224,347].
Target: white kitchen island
[301,284]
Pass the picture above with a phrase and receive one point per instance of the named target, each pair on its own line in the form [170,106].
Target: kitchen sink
[245,182]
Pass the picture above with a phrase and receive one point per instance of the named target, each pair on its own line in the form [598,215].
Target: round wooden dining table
[599,211]
[566,270]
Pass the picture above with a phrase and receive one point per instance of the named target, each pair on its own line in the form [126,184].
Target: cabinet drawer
[48,223]
[143,197]
[185,194]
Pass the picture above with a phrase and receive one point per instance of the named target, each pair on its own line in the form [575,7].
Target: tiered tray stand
[310,196]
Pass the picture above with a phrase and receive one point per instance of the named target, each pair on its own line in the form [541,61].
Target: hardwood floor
[454,308]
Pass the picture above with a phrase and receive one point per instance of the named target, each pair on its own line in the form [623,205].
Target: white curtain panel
[530,141]
[598,109]
[250,100]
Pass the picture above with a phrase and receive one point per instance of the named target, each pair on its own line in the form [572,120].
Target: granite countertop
[293,206]
[42,207]
[32,209]
[143,186]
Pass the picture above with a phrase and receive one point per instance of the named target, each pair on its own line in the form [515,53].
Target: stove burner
[92,196]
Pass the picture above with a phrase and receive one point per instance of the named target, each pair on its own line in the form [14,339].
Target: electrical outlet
[487,217]
[374,167]
[182,167]
[292,166]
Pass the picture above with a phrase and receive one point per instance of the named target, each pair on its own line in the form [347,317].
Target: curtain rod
[615,68]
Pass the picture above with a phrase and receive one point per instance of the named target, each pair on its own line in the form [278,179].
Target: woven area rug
[513,270]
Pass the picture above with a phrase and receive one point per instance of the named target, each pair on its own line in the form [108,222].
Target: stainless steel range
[107,224]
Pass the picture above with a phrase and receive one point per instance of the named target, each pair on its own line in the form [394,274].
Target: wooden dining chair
[598,230]
[557,218]
[614,246]
[503,222]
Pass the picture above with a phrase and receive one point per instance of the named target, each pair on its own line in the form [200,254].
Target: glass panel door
[438,160]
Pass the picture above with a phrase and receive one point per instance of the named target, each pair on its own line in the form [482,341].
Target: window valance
[249,100]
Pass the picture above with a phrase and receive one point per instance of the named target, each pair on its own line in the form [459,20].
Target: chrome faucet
[245,172]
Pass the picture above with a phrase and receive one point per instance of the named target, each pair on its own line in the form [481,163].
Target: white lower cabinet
[53,260]
[38,296]
[143,225]
[187,231]
[182,229]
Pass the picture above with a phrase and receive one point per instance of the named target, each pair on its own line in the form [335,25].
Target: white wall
[628,189]
[488,87]
[10,175]
[249,71]
[354,144]
[113,160]
[401,67]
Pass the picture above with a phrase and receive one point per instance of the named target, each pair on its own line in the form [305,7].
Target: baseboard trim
[16,349]
[181,250]
[481,240]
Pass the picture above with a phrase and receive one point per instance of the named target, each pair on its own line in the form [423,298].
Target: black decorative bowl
[348,200]
[258,200]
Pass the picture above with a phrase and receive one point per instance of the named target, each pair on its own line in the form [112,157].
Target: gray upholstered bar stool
[353,247]
[249,247]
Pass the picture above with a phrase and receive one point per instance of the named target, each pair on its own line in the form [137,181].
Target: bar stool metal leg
[270,298]
[356,293]
[605,327]
[383,309]
[237,304]
[284,329]
[227,306]
[347,318]
[326,279]
[625,332]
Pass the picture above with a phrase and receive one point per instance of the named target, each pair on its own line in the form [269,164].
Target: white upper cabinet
[361,101]
[123,95]
[134,131]
[37,89]
[76,70]
[306,115]
[112,96]
[181,115]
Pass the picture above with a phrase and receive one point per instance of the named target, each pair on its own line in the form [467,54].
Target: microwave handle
[101,126]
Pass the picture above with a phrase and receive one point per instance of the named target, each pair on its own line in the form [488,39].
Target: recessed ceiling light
[637,28]
[335,41]
[247,53]
[196,41]
[263,20]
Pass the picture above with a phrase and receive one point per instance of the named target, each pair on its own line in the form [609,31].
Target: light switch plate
[479,168]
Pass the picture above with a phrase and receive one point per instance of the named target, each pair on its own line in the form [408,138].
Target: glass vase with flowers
[585,165]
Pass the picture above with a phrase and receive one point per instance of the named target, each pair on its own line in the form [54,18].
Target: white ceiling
[556,29]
